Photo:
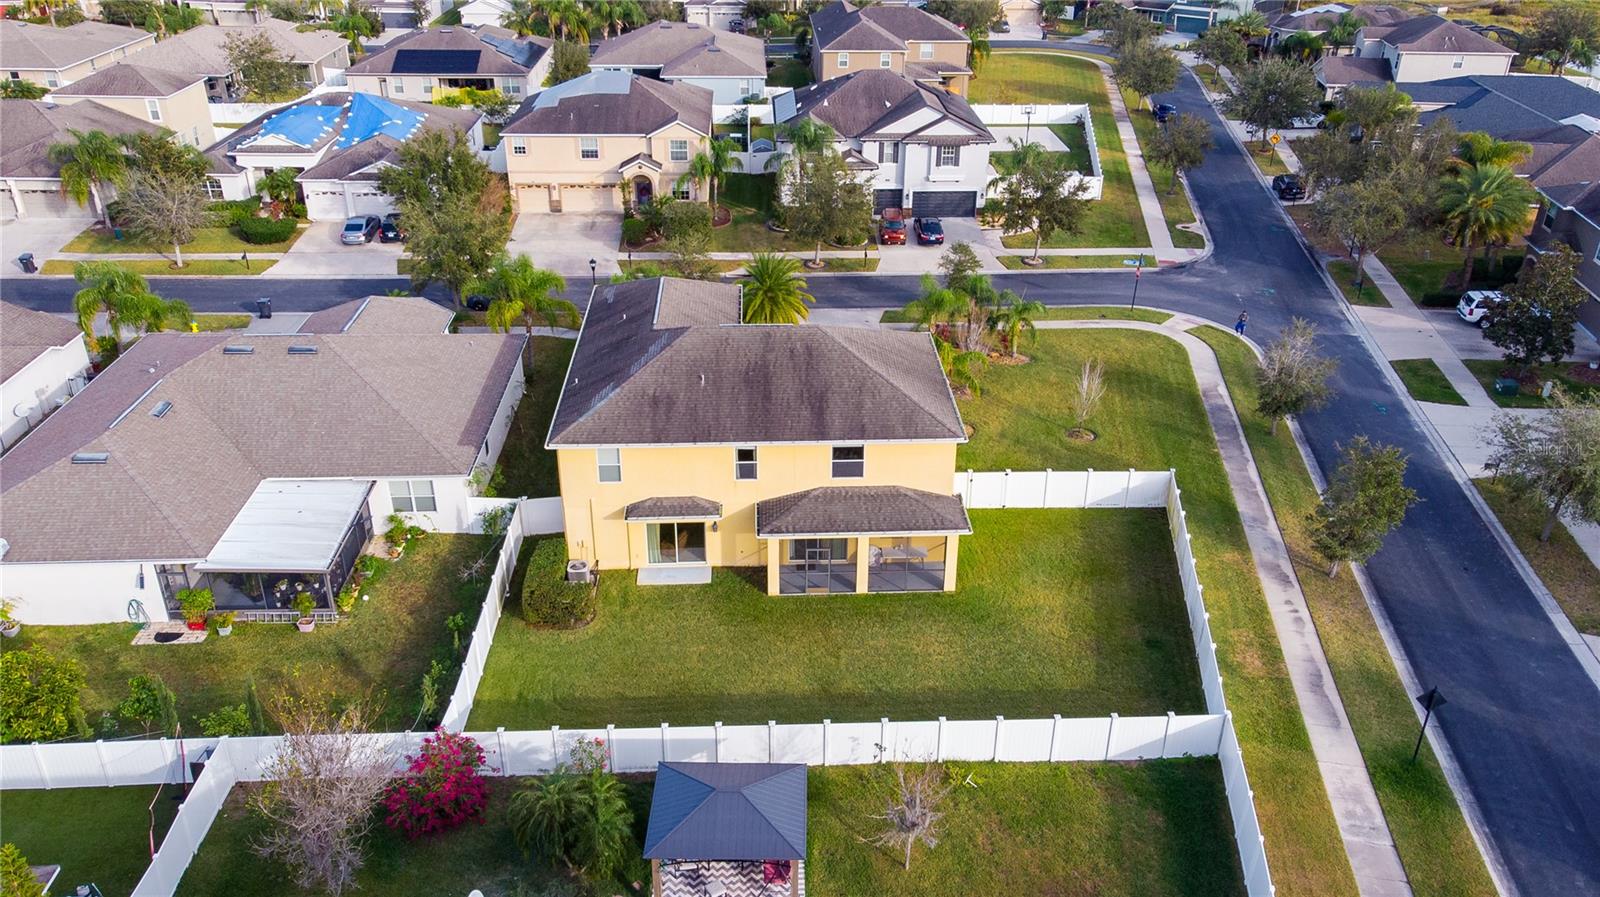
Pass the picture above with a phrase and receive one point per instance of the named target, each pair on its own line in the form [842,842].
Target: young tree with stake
[1367,498]
[1293,378]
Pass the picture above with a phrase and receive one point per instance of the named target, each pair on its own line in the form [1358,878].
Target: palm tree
[279,187]
[1343,30]
[806,136]
[712,166]
[583,820]
[774,291]
[1014,318]
[961,366]
[567,18]
[1302,45]
[962,305]
[93,161]
[616,15]
[1478,148]
[1250,25]
[700,172]
[352,25]
[521,17]
[518,291]
[1482,205]
[1019,157]
[978,50]
[125,299]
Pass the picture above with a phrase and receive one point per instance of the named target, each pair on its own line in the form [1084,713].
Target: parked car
[476,302]
[1476,306]
[391,231]
[930,232]
[1288,187]
[360,229]
[736,26]
[1003,26]
[892,228]
[1164,111]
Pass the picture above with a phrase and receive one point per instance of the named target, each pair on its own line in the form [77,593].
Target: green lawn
[207,239]
[1066,313]
[788,73]
[1344,274]
[1050,77]
[1207,73]
[1426,382]
[164,268]
[1269,163]
[1158,829]
[526,467]
[1175,207]
[384,646]
[1048,618]
[1077,143]
[1488,369]
[1152,419]
[1015,262]
[749,198]
[1440,857]
[98,835]
[1423,264]
[209,323]
[491,136]
[1563,567]
[722,266]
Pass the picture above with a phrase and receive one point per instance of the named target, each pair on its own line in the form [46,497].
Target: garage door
[325,204]
[887,199]
[591,199]
[535,200]
[369,201]
[946,203]
[49,202]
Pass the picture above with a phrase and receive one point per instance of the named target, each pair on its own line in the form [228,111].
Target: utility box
[1506,386]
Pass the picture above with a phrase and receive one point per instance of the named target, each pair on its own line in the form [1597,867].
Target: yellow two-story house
[605,140]
[686,440]
[901,39]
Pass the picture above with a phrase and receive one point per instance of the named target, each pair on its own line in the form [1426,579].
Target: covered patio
[727,830]
[855,539]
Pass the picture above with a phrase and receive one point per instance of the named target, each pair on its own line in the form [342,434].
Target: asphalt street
[1523,718]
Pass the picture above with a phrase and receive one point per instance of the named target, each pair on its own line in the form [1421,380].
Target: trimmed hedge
[634,231]
[266,230]
[231,211]
[547,598]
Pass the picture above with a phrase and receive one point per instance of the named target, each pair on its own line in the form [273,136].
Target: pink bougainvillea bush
[441,788]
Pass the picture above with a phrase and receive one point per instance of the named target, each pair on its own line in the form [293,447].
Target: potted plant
[305,604]
[396,534]
[9,626]
[224,622]
[196,604]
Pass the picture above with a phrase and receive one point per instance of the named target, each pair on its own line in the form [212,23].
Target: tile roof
[364,405]
[842,26]
[497,51]
[204,50]
[612,102]
[684,50]
[664,361]
[27,46]
[727,811]
[864,104]
[31,126]
[849,510]
[26,334]
[1433,34]
[128,79]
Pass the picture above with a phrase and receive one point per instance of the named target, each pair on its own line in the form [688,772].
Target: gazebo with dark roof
[727,828]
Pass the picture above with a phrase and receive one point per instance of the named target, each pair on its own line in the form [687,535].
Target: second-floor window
[883,60]
[744,463]
[1457,62]
[152,108]
[849,462]
[588,147]
[888,152]
[926,51]
[610,464]
[678,150]
[1550,216]
[844,60]
[518,147]
[949,156]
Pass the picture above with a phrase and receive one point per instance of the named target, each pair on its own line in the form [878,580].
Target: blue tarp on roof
[301,125]
[727,811]
[371,116]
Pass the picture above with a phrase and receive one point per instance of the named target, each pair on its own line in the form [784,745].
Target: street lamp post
[593,265]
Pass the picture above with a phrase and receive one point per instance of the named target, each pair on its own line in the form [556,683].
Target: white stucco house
[920,148]
[479,13]
[258,466]
[43,362]
[338,142]
[732,66]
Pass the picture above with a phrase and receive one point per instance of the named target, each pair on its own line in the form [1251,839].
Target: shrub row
[266,230]
[547,598]
[231,211]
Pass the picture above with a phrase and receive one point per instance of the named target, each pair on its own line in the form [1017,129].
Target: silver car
[360,229]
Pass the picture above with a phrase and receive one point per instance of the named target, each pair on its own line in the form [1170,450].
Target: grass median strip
[164,268]
[1058,262]
[1174,198]
[1344,274]
[1438,851]
[1562,566]
[1426,382]
[206,239]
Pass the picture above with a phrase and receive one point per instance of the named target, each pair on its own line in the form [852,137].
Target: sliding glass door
[676,543]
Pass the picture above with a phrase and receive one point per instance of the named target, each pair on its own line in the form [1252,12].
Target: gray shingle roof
[1503,105]
[682,49]
[31,126]
[1318,22]
[865,104]
[364,405]
[1433,34]
[612,102]
[127,79]
[1342,71]
[672,507]
[500,52]
[727,811]
[849,510]
[28,46]
[204,50]
[665,362]
[842,26]
[26,334]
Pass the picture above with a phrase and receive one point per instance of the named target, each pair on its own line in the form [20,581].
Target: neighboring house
[1569,213]
[918,147]
[32,179]
[1418,50]
[1316,21]
[718,14]
[1507,105]
[254,465]
[204,51]
[479,13]
[338,141]
[172,100]
[731,66]
[686,441]
[395,13]
[1178,15]
[570,148]
[43,362]
[736,829]
[423,64]
[56,57]
[902,39]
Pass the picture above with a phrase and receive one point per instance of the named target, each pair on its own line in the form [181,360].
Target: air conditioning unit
[578,571]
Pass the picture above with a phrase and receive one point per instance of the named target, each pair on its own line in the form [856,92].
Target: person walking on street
[1242,323]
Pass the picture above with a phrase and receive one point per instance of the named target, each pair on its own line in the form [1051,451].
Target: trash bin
[26,261]
[116,232]
[263,308]
[1506,386]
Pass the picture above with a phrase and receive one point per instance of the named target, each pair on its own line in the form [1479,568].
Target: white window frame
[681,192]
[52,81]
[955,161]
[152,109]
[513,89]
[741,467]
[834,461]
[519,147]
[1549,218]
[1458,62]
[678,150]
[427,87]
[926,51]
[608,459]
[844,60]
[397,86]
[213,188]
[885,60]
[889,153]
[587,145]
[1597,255]
[413,497]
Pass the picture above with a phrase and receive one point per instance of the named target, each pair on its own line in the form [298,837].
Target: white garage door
[48,202]
[591,199]
[369,201]
[534,200]
[325,204]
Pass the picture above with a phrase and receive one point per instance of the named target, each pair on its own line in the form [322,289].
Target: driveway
[1025,25]
[43,237]
[318,253]
[565,242]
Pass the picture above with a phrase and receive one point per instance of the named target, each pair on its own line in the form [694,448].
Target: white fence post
[555,745]
[105,768]
[500,747]
[611,746]
[938,742]
[1087,482]
[1055,734]
[1166,733]
[825,724]
[1127,489]
[665,738]
[716,742]
[772,734]
[883,739]
[1005,489]
[1111,735]
[39,761]
[999,728]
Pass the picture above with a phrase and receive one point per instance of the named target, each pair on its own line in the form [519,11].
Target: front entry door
[677,543]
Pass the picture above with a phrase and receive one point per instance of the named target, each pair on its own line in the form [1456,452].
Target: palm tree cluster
[1483,201]
[969,320]
[579,819]
[571,19]
[126,301]
[520,293]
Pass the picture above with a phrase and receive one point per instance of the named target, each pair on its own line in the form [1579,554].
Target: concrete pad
[318,253]
[1040,135]
[564,243]
[846,317]
[43,237]
[280,322]
[1026,24]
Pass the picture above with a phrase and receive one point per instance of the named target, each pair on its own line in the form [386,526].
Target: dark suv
[391,231]
[1288,187]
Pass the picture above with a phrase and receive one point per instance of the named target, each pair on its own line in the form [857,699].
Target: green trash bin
[1506,386]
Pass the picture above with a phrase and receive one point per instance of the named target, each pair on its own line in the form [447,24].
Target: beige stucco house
[31,179]
[56,57]
[169,99]
[575,145]
[204,51]
[902,39]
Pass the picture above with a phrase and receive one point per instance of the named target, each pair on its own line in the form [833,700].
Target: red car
[892,229]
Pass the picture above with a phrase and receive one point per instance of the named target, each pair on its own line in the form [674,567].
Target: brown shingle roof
[867,103]
[848,510]
[612,102]
[1432,34]
[683,49]
[26,334]
[672,507]
[499,52]
[842,26]
[127,79]
[1341,71]
[381,314]
[31,126]
[204,50]
[665,362]
[28,46]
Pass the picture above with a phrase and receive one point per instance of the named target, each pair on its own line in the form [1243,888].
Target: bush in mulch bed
[547,598]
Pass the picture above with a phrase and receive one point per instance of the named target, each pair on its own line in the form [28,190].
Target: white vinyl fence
[1042,115]
[460,706]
